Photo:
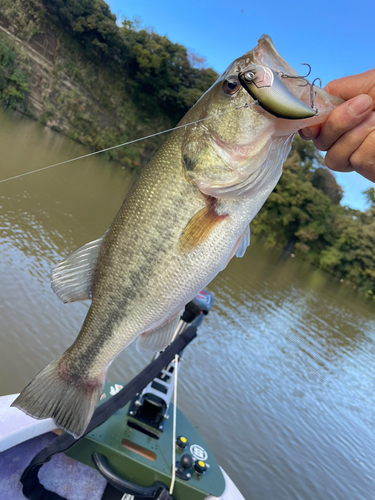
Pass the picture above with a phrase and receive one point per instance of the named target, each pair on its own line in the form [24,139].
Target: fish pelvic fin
[71,280]
[200,226]
[55,393]
[243,243]
[240,247]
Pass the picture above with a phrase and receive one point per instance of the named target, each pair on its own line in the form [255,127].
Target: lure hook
[284,75]
[302,77]
[312,92]
[320,82]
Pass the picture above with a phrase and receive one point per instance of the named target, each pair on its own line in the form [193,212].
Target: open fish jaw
[240,145]
[266,54]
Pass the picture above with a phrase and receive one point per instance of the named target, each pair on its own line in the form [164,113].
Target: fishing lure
[266,87]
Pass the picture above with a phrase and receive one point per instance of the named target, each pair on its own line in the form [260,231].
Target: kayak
[129,456]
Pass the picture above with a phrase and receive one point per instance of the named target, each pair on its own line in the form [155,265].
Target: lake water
[280,381]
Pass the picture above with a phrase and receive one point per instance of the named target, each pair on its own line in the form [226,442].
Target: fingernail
[360,105]
[310,132]
[307,133]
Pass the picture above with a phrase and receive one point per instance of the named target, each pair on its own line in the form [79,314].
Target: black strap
[32,489]
[111,493]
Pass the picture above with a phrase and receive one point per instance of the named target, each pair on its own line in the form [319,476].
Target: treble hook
[284,75]
[320,81]
[312,91]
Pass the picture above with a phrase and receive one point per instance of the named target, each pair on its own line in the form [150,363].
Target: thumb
[351,86]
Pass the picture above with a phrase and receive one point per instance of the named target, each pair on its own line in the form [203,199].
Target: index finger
[344,118]
[351,86]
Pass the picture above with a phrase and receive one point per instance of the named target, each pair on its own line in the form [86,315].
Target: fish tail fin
[55,393]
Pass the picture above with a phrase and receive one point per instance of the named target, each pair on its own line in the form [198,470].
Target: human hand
[348,135]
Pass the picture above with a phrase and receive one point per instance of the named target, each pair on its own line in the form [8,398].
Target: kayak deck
[64,475]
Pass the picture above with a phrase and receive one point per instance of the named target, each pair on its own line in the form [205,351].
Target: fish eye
[231,86]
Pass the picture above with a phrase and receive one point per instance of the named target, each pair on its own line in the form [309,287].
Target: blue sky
[337,38]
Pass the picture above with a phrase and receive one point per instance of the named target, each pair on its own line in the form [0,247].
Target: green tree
[297,214]
[352,255]
[304,215]
[162,72]
[92,22]
[13,85]
[324,180]
[370,196]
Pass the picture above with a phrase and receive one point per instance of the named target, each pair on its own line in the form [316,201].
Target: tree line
[162,73]
[304,215]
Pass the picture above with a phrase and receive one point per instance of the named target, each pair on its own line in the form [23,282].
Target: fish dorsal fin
[159,339]
[71,280]
[244,243]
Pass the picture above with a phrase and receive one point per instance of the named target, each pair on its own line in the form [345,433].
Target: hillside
[71,66]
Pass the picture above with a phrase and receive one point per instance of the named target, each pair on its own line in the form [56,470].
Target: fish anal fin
[159,339]
[200,226]
[71,280]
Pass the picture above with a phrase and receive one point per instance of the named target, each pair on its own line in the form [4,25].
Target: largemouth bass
[182,222]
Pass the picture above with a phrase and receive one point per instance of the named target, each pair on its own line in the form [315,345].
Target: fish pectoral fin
[240,247]
[71,280]
[200,226]
[159,339]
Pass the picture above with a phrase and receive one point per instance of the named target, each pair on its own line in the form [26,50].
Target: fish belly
[144,279]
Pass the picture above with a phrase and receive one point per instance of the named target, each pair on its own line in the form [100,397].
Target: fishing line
[180,327]
[247,105]
[173,480]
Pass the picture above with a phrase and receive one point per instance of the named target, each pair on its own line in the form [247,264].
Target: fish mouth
[278,88]
[237,168]
[266,86]
[264,54]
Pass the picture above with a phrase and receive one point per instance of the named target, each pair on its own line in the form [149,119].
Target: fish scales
[145,265]
[184,219]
